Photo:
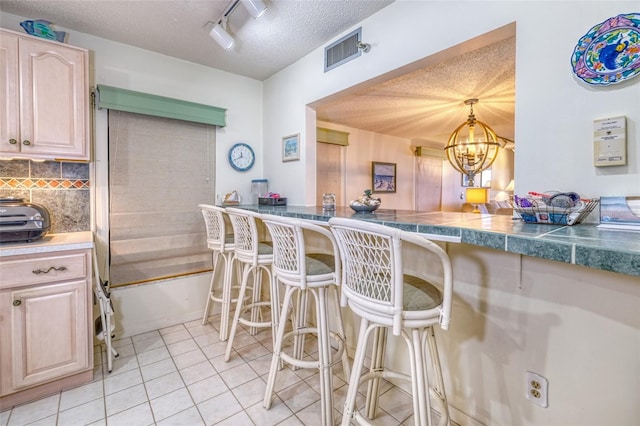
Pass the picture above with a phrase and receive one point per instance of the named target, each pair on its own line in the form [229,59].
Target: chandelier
[473,146]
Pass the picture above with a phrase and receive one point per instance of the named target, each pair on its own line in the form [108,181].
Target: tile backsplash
[63,188]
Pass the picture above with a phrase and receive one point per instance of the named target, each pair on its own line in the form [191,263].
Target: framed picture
[383,177]
[481,180]
[291,147]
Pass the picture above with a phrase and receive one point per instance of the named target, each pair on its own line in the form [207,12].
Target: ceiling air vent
[343,50]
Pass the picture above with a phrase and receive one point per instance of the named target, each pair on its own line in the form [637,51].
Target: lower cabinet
[45,319]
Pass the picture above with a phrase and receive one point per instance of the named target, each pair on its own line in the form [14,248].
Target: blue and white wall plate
[609,53]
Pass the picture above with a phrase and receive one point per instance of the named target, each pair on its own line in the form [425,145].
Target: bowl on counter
[359,208]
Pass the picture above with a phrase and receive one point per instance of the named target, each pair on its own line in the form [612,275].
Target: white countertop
[50,243]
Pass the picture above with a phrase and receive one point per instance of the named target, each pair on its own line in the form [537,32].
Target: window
[160,169]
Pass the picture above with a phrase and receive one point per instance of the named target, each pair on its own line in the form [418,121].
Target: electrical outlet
[537,389]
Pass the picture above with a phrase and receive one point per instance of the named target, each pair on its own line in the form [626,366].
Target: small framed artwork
[291,147]
[383,177]
[481,180]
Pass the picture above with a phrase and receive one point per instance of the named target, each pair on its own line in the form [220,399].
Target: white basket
[540,212]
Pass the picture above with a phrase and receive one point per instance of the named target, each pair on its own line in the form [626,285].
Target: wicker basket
[537,211]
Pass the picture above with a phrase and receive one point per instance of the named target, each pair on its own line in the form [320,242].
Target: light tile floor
[178,376]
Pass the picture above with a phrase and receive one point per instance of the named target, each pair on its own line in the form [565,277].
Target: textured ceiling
[289,29]
[423,103]
[428,103]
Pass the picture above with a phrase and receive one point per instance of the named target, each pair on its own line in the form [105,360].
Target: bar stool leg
[419,378]
[225,310]
[377,364]
[277,348]
[300,321]
[324,357]
[438,393]
[358,364]
[346,368]
[234,323]
[257,291]
[214,262]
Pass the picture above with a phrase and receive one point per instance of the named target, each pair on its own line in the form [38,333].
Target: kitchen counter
[50,243]
[584,244]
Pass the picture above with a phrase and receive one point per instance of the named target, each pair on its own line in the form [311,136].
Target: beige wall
[365,147]
[578,327]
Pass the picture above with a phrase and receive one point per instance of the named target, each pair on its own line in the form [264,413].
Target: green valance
[159,106]
[335,137]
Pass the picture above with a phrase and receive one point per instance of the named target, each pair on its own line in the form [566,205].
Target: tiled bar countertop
[583,244]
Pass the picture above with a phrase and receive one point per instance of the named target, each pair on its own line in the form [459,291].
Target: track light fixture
[219,33]
[256,8]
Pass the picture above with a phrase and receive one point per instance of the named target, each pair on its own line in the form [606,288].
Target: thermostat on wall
[610,142]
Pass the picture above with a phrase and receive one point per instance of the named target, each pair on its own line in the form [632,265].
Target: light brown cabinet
[45,320]
[44,90]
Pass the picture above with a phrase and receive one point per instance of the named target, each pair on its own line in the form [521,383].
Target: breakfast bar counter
[583,244]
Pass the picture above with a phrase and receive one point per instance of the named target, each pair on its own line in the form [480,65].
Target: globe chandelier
[473,146]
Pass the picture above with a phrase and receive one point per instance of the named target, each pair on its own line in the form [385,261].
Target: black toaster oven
[21,221]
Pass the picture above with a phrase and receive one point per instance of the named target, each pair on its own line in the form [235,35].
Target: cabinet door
[54,100]
[9,130]
[49,331]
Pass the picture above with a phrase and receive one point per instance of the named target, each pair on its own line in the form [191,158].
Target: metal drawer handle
[26,142]
[42,271]
[17,302]
[13,141]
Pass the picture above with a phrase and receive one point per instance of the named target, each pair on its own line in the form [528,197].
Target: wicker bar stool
[222,246]
[305,275]
[376,288]
[254,257]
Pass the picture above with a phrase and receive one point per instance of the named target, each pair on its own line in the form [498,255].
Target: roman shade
[159,171]
[331,136]
[117,99]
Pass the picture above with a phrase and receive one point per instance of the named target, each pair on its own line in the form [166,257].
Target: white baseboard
[159,304]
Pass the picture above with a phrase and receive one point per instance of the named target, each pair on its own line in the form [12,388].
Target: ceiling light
[220,34]
[255,7]
[473,146]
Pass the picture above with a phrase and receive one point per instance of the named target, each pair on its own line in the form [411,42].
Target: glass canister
[329,201]
[259,188]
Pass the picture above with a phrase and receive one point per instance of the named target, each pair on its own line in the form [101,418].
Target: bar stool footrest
[297,362]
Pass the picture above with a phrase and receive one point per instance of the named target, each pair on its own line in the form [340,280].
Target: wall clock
[241,157]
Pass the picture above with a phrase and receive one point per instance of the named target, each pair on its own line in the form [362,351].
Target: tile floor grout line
[253,358]
[183,382]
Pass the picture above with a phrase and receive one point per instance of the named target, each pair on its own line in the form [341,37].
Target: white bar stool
[306,274]
[376,288]
[222,246]
[254,257]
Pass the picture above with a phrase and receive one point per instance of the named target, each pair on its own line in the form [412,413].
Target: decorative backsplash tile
[63,188]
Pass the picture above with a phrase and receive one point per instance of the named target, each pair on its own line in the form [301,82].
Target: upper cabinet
[44,90]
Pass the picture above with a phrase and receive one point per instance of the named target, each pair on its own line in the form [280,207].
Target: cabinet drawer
[44,268]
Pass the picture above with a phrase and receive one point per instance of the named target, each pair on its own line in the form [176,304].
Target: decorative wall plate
[609,53]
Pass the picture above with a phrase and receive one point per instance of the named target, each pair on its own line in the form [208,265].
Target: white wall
[554,110]
[576,326]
